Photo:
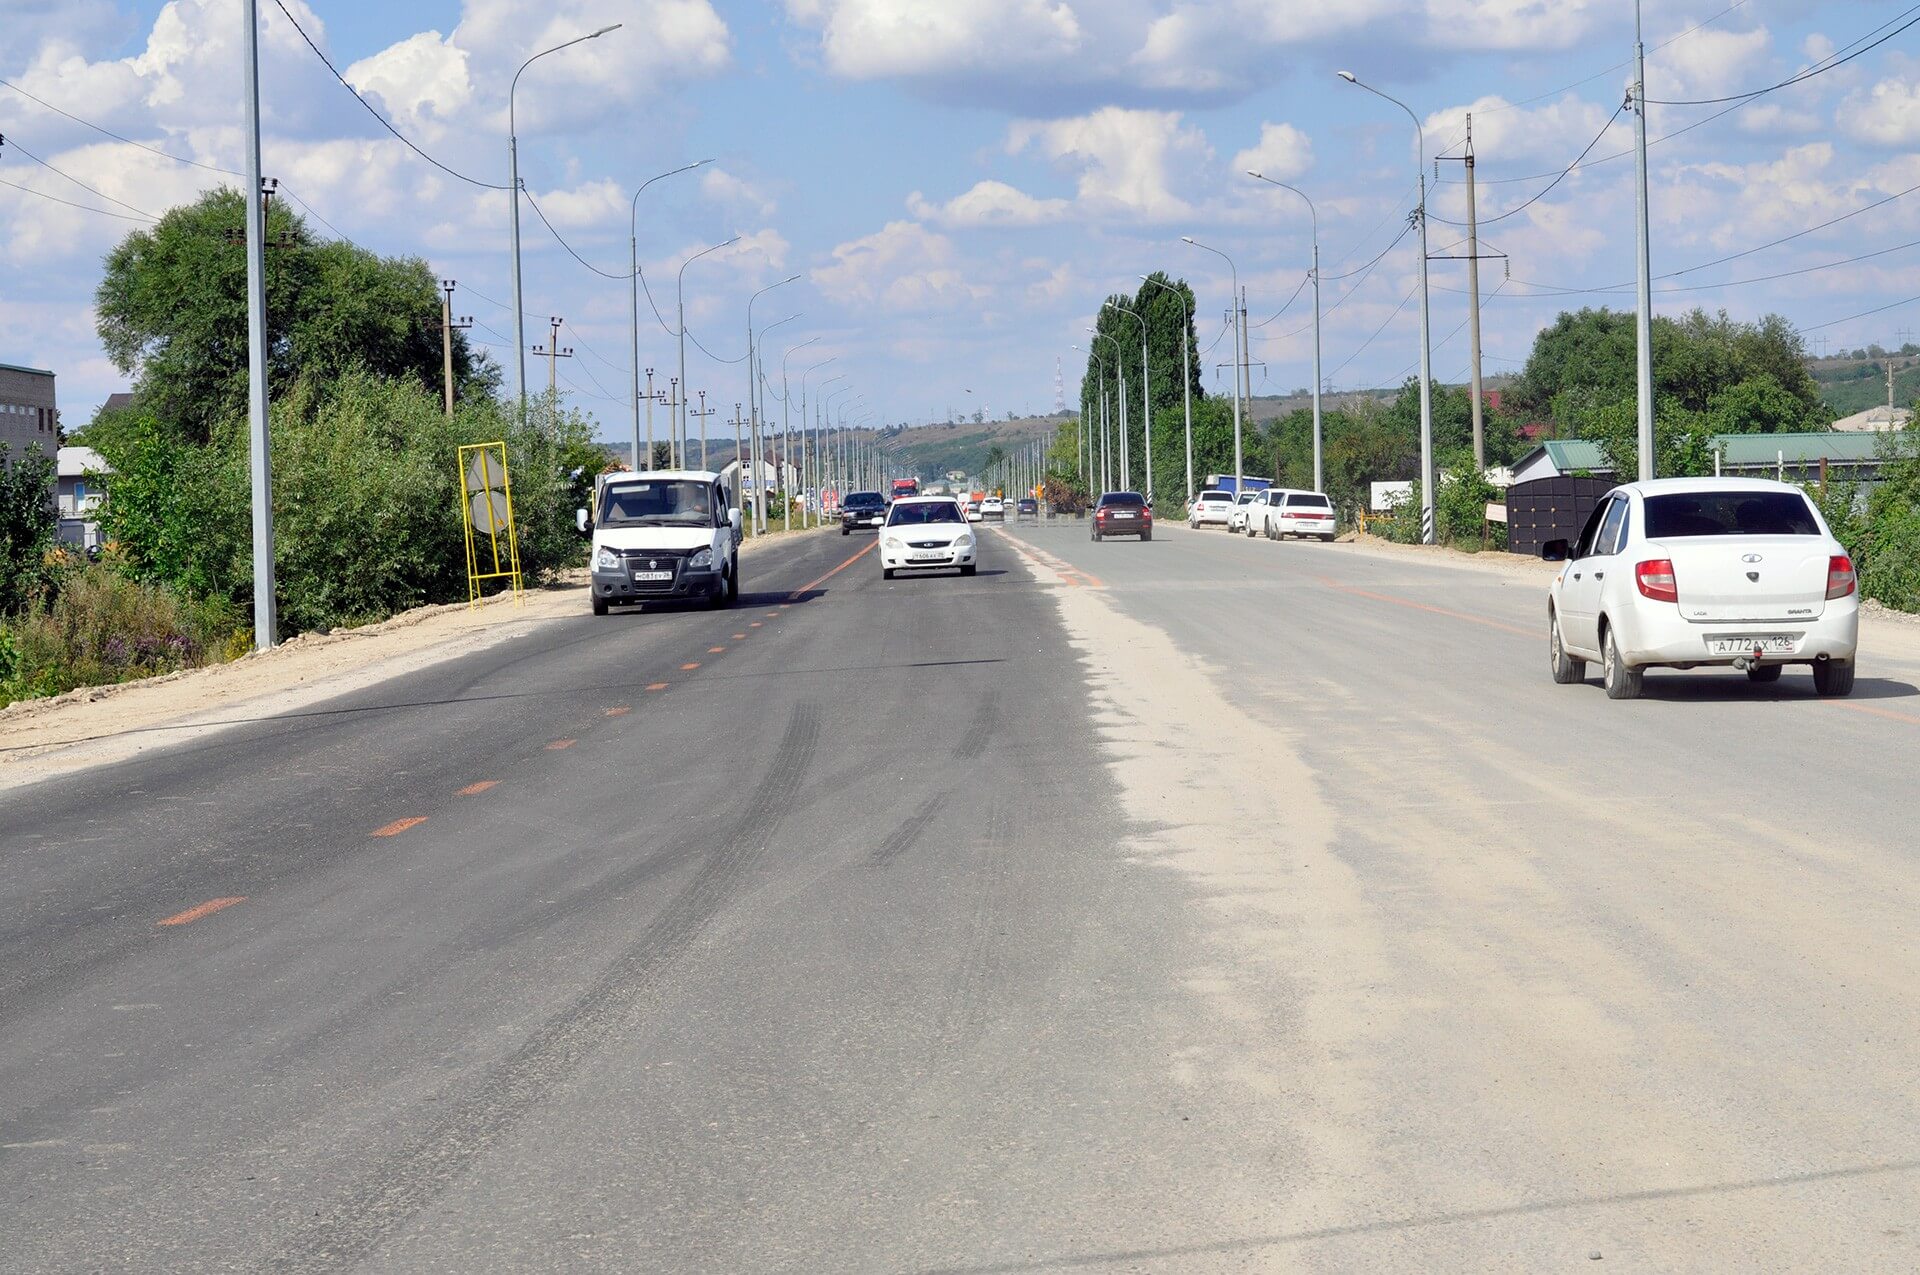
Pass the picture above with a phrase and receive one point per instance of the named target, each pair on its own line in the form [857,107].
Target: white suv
[1685,572]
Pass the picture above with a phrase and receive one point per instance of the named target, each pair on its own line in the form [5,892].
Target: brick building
[28,415]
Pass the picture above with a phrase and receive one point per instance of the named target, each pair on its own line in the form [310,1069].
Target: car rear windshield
[1730,513]
[1216,495]
[1131,499]
[920,513]
[1311,502]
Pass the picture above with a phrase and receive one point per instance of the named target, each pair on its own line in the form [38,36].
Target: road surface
[1204,904]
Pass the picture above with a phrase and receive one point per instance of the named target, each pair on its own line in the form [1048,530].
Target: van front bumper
[619,587]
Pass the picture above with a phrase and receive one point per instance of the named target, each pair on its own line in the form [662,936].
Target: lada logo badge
[1750,557]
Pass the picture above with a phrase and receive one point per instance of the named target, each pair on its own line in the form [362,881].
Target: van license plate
[1746,645]
[651,577]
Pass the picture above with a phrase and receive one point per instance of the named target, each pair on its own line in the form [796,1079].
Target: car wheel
[599,606]
[1096,537]
[886,573]
[1566,669]
[1621,682]
[843,531]
[969,569]
[1765,673]
[1834,677]
[1326,540]
[1146,535]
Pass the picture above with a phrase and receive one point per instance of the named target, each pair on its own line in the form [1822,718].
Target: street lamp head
[1186,238]
[603,30]
[1347,76]
[1256,176]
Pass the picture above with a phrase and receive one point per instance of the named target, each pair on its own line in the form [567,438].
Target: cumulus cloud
[724,188]
[422,83]
[1283,152]
[1128,160]
[1708,63]
[989,203]
[872,39]
[903,266]
[1887,114]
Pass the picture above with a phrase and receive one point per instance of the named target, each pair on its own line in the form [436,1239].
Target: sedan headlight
[703,558]
[606,560]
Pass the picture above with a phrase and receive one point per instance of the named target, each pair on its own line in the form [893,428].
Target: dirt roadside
[99,725]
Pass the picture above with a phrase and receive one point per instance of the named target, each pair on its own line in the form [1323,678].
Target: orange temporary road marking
[399,826]
[1877,712]
[619,710]
[558,744]
[205,909]
[1431,610]
[739,637]
[474,790]
[796,595]
[754,625]
[688,668]
[716,650]
[657,686]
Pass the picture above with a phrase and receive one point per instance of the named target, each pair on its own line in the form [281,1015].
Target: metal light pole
[753,413]
[1186,370]
[513,180]
[1643,335]
[633,283]
[806,467]
[786,435]
[1239,458]
[1120,393]
[680,288]
[1319,478]
[266,620]
[765,428]
[1146,399]
[1086,428]
[1427,475]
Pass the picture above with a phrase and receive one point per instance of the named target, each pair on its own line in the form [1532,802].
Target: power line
[1540,194]
[8,140]
[404,140]
[1376,332]
[1799,78]
[107,132]
[104,212]
[1304,280]
[1862,315]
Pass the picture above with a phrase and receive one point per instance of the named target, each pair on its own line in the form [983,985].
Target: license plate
[1123,515]
[1746,645]
[651,577]
[927,557]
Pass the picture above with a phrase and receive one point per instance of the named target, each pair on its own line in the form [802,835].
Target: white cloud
[722,187]
[901,267]
[1550,134]
[871,39]
[989,203]
[1283,152]
[1708,63]
[1128,159]
[1888,114]
[422,82]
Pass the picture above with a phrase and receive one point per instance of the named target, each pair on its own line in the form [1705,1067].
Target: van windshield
[1729,513]
[666,502]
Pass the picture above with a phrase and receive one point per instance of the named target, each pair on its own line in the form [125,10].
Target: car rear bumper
[1658,635]
[1304,526]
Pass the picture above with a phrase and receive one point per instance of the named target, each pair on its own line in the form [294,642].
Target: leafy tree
[29,520]
[172,310]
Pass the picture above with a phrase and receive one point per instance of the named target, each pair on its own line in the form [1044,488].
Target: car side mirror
[1554,551]
[734,520]
[582,521]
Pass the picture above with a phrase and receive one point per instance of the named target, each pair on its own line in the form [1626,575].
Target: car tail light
[1841,580]
[1656,580]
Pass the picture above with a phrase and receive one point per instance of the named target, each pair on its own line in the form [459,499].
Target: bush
[106,627]
[28,520]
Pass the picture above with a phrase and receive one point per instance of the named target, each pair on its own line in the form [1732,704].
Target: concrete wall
[28,414]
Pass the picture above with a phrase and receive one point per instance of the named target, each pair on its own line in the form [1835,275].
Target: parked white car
[1237,520]
[1691,572]
[1301,513]
[926,533]
[1259,512]
[1211,506]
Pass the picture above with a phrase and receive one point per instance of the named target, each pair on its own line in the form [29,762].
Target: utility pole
[676,453]
[652,397]
[1644,332]
[554,352]
[1473,306]
[739,456]
[447,328]
[1245,373]
[702,415]
[266,625]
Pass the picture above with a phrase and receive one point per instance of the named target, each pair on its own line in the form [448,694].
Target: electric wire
[1540,194]
[104,212]
[1799,78]
[14,142]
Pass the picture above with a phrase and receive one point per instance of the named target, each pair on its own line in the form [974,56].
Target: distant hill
[1854,384]
[932,450]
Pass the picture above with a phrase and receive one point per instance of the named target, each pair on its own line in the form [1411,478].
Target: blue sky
[960,183]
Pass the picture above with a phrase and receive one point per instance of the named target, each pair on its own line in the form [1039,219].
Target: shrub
[28,520]
[106,627]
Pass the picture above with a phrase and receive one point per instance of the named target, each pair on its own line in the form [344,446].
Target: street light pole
[1319,478]
[266,619]
[1146,399]
[1239,455]
[633,283]
[1427,476]
[1186,369]
[762,439]
[786,438]
[806,467]
[513,180]
[753,414]
[1643,329]
[1110,471]
[680,288]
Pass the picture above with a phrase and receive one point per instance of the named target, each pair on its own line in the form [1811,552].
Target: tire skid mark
[413,1176]
[965,1016]
[903,838]
[986,719]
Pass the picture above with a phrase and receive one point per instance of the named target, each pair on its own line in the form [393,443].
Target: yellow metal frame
[492,456]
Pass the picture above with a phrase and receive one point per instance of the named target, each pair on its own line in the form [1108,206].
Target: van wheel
[1621,682]
[599,606]
[733,582]
[1566,670]
[1765,673]
[1834,677]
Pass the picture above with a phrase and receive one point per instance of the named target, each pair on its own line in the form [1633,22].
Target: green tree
[29,520]
[172,312]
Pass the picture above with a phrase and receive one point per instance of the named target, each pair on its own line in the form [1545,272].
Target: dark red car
[1122,513]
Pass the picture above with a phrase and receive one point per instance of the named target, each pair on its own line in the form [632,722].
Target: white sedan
[1237,520]
[1690,572]
[1211,505]
[926,533]
[1300,513]
[993,507]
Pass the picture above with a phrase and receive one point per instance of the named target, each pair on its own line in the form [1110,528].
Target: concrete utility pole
[680,289]
[554,352]
[739,456]
[513,180]
[266,620]
[676,446]
[762,432]
[701,414]
[1644,328]
[1473,306]
[633,298]
[447,328]
[651,398]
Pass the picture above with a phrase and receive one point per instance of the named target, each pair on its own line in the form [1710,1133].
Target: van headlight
[606,560]
[704,558]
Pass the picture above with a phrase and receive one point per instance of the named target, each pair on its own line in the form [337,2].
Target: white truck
[662,534]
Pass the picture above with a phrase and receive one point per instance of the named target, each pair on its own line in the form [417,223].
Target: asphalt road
[898,926]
